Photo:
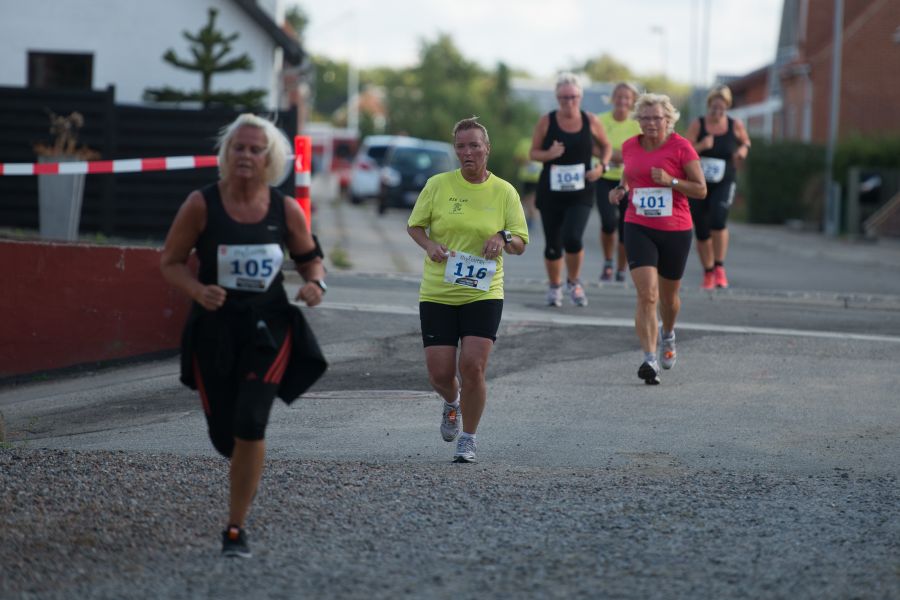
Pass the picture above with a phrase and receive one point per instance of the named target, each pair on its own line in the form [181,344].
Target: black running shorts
[444,324]
[666,250]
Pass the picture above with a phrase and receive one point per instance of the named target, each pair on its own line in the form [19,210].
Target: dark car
[407,167]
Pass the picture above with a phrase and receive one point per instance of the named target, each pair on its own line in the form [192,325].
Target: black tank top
[222,229]
[724,147]
[579,149]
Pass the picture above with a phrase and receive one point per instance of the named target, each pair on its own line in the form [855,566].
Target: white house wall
[127,39]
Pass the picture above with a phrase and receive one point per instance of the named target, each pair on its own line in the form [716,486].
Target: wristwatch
[507,236]
[321,285]
[674,182]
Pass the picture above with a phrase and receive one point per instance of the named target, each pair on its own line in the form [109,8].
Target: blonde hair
[648,100]
[278,148]
[569,79]
[720,91]
[472,123]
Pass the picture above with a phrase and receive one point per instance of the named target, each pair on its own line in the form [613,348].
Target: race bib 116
[469,270]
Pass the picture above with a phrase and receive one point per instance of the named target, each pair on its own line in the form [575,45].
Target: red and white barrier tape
[127,165]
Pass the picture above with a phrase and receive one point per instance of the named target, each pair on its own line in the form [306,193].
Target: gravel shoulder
[139,525]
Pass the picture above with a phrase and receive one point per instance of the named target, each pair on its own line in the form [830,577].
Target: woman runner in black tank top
[244,343]
[722,143]
[564,141]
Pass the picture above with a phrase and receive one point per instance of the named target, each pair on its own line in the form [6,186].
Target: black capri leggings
[564,226]
[666,250]
[611,216]
[711,214]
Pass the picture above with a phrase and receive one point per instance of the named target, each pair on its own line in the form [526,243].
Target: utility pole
[833,198]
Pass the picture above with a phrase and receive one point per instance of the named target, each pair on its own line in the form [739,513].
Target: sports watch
[507,236]
[321,285]
[674,182]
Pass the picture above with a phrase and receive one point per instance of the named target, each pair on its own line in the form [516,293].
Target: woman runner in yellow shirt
[464,220]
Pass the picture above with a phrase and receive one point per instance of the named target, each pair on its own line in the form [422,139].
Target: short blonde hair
[648,100]
[472,123]
[278,148]
[569,79]
[720,91]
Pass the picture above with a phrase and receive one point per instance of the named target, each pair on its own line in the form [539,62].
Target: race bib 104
[567,178]
[469,270]
[652,202]
[713,168]
[249,268]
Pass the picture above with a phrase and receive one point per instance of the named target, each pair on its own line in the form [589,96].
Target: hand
[595,173]
[310,293]
[437,252]
[556,149]
[706,143]
[493,247]
[739,155]
[211,297]
[660,176]
[616,194]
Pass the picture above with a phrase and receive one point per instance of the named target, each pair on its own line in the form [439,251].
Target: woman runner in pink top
[661,170]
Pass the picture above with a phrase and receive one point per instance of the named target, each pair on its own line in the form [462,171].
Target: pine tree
[209,48]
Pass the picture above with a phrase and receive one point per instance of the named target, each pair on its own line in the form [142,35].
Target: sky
[545,37]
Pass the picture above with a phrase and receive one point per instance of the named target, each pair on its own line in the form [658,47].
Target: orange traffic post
[302,176]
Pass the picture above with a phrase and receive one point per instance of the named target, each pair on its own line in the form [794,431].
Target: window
[55,70]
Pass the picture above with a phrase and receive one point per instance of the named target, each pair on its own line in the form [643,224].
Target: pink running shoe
[720,278]
[709,280]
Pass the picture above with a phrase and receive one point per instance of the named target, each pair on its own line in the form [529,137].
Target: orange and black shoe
[234,542]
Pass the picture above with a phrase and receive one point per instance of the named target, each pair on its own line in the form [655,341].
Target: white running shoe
[451,424]
[576,291]
[554,295]
[465,449]
[667,355]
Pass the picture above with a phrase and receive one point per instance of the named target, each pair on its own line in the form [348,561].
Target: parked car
[407,167]
[365,172]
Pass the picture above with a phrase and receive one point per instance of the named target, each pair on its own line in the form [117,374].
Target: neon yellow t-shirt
[617,132]
[529,170]
[462,216]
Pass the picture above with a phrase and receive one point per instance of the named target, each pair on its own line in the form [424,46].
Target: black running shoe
[234,542]
[649,372]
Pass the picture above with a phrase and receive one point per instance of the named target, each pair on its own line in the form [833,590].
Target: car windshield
[377,153]
[416,160]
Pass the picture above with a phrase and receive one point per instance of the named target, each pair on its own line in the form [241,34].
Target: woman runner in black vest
[244,343]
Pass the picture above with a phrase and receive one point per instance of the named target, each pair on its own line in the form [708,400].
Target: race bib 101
[652,202]
[567,178]
[469,270]
[249,268]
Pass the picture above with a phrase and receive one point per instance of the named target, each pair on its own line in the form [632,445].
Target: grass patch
[339,258]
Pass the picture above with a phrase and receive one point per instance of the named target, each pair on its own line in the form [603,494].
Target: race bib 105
[249,268]
[713,168]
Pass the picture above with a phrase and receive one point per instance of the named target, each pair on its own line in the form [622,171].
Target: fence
[137,205]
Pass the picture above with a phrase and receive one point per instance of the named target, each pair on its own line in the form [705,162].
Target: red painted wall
[67,304]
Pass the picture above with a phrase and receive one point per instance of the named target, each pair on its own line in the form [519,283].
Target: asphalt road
[764,465]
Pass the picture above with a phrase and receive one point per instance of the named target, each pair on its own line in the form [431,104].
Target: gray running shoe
[620,276]
[554,295]
[649,372]
[465,450]
[451,424]
[576,290]
[667,354]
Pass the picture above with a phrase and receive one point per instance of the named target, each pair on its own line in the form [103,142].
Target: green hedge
[786,180]
[778,181]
